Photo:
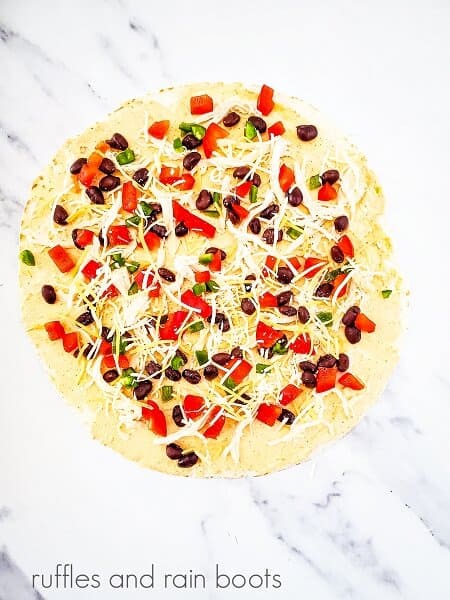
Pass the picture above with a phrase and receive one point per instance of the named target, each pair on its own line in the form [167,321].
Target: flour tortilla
[372,359]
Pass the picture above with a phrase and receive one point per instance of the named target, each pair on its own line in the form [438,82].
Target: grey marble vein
[14,584]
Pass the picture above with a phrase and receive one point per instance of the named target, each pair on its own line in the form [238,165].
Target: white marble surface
[369,517]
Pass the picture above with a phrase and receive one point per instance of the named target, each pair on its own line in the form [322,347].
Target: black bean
[336,254]
[295,196]
[74,239]
[76,353]
[204,200]
[288,311]
[190,141]
[188,460]
[247,306]
[141,176]
[174,451]
[143,389]
[106,333]
[177,416]
[256,180]
[308,379]
[108,183]
[229,201]
[285,275]
[266,352]
[118,142]
[353,334]
[343,362]
[303,314]
[307,365]
[213,250]
[95,195]
[49,294]
[330,176]
[237,353]
[221,358]
[327,360]
[101,239]
[255,226]
[181,230]
[269,236]
[110,375]
[306,133]
[166,274]
[350,315]
[85,318]
[180,354]
[107,166]
[77,165]
[87,351]
[284,298]
[258,123]
[210,372]
[248,285]
[156,207]
[160,231]
[172,374]
[60,215]
[191,160]
[341,223]
[286,417]
[192,376]
[324,290]
[221,320]
[233,216]
[270,211]
[231,119]
[241,172]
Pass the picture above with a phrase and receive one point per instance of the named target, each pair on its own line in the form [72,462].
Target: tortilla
[246,445]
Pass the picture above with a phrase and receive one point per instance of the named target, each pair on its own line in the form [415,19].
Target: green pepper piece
[132,266]
[134,288]
[314,182]
[294,233]
[331,275]
[27,257]
[326,318]
[212,213]
[279,348]
[133,221]
[386,293]
[202,357]
[212,286]
[253,194]
[186,127]
[127,380]
[249,131]
[178,145]
[199,289]
[197,326]
[146,208]
[125,157]
[217,198]
[205,259]
[120,344]
[261,368]
[229,383]
[166,392]
[117,261]
[177,362]
[198,131]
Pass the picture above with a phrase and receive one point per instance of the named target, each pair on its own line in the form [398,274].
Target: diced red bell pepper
[197,303]
[105,348]
[109,362]
[327,192]
[111,292]
[289,393]
[286,177]
[297,263]
[201,104]
[95,159]
[55,330]
[170,329]
[216,264]
[87,174]
[267,336]
[90,269]
[276,129]
[311,262]
[337,282]
[350,381]
[61,258]
[159,129]
[265,101]
[169,175]
[152,240]
[129,197]
[155,292]
[213,133]
[241,212]
[119,235]
[192,221]
[268,300]
[185,182]
[70,341]
[203,276]
[102,146]
[83,237]
[243,189]
[214,430]
[270,264]
[193,406]
[156,418]
[239,373]
[302,344]
[268,413]
[144,276]
[345,244]
[363,323]
[326,378]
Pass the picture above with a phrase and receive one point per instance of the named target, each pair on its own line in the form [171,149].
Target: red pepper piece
[61,258]
[105,348]
[266,336]
[108,362]
[276,129]
[310,262]
[363,323]
[170,329]
[87,174]
[345,244]
[152,240]
[268,300]
[327,192]
[286,177]
[201,104]
[55,330]
[243,189]
[214,430]
[197,303]
[302,344]
[239,373]
[216,264]
[241,212]
[185,182]
[169,175]
[129,197]
[265,101]
[90,269]
[326,378]
[213,133]
[289,394]
[268,413]
[297,263]
[203,276]
[155,292]
[350,381]
[159,129]
[143,276]
[193,406]
[119,235]
[156,418]
[192,221]
[111,292]
[337,282]
[83,237]
[70,341]
[270,264]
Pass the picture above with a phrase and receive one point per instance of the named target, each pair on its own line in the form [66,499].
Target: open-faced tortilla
[282,385]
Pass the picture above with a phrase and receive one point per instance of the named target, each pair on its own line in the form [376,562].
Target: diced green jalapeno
[279,347]
[127,379]
[117,261]
[177,362]
[217,198]
[125,157]
[314,182]
[229,383]
[132,266]
[146,208]
[186,127]
[261,368]
[331,275]
[27,257]
[133,221]
[326,318]
[212,286]
[199,289]
[133,289]
[294,233]
[212,213]
[205,259]
[202,357]
[166,393]
[253,194]
[197,326]
[249,131]
[178,145]
[198,131]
